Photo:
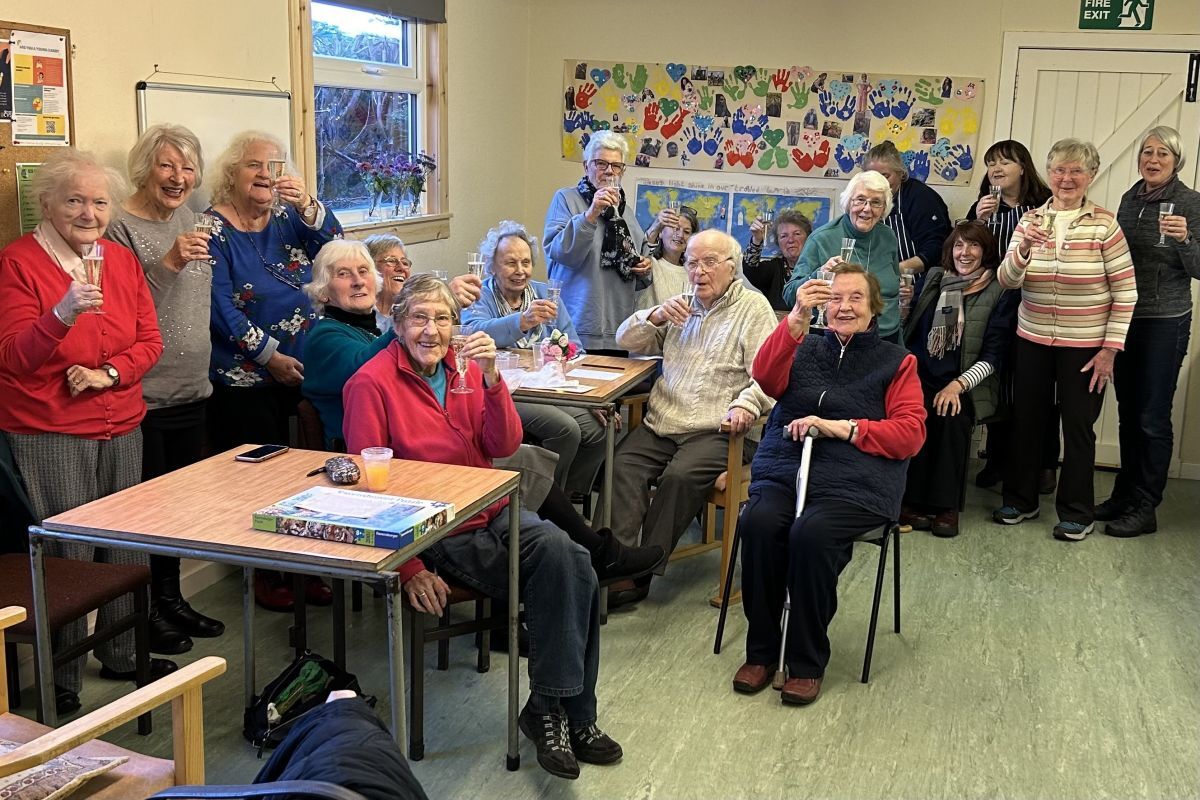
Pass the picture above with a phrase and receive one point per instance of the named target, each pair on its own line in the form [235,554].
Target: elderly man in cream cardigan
[708,343]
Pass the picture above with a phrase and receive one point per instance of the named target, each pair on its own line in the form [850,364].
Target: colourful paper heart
[676,71]
[745,74]
[600,76]
[773,137]
[668,106]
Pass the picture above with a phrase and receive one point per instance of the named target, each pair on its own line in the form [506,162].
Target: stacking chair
[141,775]
[73,590]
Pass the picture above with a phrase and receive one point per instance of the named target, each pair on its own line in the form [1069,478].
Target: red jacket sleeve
[366,426]
[502,430]
[901,433]
[773,365]
[29,331]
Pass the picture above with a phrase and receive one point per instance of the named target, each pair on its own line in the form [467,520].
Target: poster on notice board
[39,89]
[5,82]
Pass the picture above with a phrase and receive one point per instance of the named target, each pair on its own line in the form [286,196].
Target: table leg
[514,598]
[299,630]
[248,631]
[41,627]
[610,445]
[339,622]
[394,597]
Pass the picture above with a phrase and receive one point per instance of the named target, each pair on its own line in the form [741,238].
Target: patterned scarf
[533,336]
[948,320]
[1148,195]
[617,252]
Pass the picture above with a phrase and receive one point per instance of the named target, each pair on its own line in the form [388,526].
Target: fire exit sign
[1130,15]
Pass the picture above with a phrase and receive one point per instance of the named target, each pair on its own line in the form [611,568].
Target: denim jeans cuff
[540,689]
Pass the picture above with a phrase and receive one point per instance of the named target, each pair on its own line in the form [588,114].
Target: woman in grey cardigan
[165,166]
[593,245]
[1147,371]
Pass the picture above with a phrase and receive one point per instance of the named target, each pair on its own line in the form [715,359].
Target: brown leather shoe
[801,691]
[945,524]
[751,678]
[915,519]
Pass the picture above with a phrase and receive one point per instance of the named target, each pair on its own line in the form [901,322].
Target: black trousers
[804,555]
[936,474]
[171,438]
[1042,370]
[260,415]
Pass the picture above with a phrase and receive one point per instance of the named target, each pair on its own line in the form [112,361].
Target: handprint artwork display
[773,119]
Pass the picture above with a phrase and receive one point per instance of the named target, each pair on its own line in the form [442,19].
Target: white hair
[144,152]
[491,242]
[871,181]
[228,161]
[328,256]
[63,165]
[606,140]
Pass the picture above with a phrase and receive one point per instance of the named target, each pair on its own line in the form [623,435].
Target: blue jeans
[1145,377]
[562,602]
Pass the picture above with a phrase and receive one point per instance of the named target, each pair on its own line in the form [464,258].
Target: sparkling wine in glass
[689,296]
[275,169]
[994,191]
[673,206]
[1048,227]
[826,277]
[458,341]
[475,264]
[1164,210]
[848,249]
[203,223]
[554,290]
[93,267]
[908,279]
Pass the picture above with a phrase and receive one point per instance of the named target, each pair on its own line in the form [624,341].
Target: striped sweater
[706,364]
[1081,295]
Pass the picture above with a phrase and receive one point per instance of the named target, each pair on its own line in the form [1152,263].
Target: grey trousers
[575,434]
[684,468]
[60,473]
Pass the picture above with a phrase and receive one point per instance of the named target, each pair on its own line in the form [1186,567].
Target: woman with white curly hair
[866,202]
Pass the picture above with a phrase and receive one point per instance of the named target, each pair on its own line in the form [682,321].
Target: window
[375,81]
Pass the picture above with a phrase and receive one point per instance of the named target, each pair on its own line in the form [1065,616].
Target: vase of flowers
[557,349]
[396,177]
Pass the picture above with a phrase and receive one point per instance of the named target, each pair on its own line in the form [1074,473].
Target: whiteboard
[215,114]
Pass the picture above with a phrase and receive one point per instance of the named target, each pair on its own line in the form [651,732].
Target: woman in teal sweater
[866,201]
[343,291]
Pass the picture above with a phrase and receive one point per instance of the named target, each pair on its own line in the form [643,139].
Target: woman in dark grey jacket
[1147,371]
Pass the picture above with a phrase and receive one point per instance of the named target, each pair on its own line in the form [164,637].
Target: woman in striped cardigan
[1071,262]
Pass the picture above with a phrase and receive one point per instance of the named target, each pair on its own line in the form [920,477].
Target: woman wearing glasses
[866,201]
[394,266]
[593,245]
[265,234]
[1071,262]
[917,215]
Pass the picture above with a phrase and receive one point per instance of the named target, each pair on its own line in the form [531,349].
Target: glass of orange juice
[377,464]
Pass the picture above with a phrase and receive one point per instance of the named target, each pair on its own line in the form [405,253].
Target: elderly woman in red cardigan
[71,377]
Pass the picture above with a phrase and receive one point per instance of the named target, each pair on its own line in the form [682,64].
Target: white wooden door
[1111,98]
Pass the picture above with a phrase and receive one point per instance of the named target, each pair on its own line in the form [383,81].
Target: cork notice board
[10,154]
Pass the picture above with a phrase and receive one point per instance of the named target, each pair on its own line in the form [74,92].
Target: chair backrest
[310,434]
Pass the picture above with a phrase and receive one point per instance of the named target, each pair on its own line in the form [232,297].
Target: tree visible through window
[367,89]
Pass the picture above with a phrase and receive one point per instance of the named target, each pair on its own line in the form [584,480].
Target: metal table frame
[250,559]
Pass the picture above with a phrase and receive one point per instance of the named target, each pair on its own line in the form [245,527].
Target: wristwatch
[112,373]
[853,429]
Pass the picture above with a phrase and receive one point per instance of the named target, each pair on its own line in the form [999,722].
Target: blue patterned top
[258,307]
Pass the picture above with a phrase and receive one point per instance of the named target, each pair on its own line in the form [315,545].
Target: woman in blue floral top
[261,259]
[265,235]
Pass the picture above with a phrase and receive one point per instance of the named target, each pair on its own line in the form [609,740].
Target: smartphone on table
[262,453]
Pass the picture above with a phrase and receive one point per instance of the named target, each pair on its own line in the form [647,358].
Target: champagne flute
[1048,227]
[275,168]
[673,206]
[848,249]
[689,296]
[825,276]
[458,340]
[93,266]
[994,191]
[767,216]
[203,223]
[1164,210]
[908,279]
[554,290]
[475,264]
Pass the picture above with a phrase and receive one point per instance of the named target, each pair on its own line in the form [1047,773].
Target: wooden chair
[421,633]
[310,433]
[141,775]
[75,589]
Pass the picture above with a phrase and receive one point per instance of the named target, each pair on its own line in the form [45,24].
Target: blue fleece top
[504,324]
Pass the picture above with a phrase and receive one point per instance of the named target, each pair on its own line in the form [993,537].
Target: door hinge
[1189,95]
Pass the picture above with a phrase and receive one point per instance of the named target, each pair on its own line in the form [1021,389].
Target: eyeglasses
[601,165]
[420,321]
[394,262]
[1062,172]
[873,202]
[707,264]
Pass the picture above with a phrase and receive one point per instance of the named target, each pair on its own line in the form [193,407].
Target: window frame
[426,78]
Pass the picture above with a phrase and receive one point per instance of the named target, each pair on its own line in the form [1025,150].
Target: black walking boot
[175,610]
[1140,519]
[615,561]
[165,638]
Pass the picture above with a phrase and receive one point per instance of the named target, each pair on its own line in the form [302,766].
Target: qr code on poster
[51,126]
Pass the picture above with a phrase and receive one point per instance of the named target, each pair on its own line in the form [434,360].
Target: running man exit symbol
[1133,15]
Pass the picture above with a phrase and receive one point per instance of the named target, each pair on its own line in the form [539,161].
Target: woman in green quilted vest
[960,329]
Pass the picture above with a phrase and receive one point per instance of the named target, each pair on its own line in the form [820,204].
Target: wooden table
[626,373]
[204,511]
